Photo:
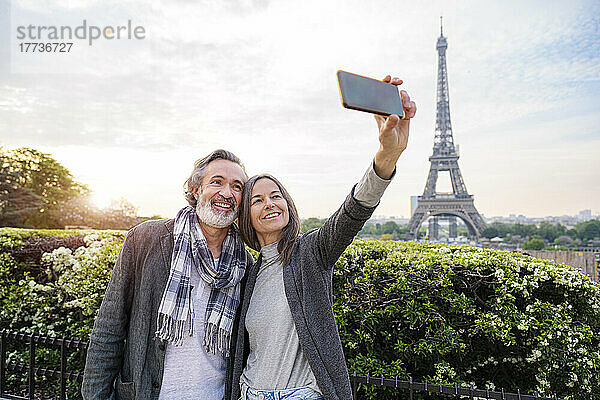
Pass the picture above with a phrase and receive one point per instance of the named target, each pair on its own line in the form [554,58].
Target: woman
[287,344]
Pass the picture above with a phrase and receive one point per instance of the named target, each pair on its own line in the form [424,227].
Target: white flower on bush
[543,382]
[573,377]
[59,259]
[444,371]
[86,263]
[535,355]
[75,304]
[91,238]
[37,287]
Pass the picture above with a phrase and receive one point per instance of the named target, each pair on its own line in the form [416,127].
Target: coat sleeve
[105,352]
[339,230]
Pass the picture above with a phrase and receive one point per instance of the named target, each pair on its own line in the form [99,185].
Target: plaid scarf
[176,307]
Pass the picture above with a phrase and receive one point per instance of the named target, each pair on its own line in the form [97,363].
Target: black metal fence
[405,389]
[408,389]
[57,372]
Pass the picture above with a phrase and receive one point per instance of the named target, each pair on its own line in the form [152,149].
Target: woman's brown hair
[290,231]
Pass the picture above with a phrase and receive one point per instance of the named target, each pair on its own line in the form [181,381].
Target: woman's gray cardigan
[307,280]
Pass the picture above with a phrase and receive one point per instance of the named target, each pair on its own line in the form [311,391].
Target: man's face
[220,194]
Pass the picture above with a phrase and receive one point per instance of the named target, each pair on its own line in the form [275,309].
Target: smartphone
[370,95]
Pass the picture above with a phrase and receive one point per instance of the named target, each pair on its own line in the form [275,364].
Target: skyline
[258,78]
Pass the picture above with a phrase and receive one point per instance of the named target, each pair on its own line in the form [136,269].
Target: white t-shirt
[189,371]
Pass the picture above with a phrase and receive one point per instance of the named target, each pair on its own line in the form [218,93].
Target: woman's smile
[272,215]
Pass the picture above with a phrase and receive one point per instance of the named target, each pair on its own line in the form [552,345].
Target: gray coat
[308,288]
[124,359]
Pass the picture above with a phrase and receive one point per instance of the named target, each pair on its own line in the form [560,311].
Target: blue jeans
[303,393]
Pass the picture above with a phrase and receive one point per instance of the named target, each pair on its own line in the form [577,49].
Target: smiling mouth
[221,205]
[272,215]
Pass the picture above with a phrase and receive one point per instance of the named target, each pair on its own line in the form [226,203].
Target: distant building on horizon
[567,220]
[382,219]
[585,215]
[413,204]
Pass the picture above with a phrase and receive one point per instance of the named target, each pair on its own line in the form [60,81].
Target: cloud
[258,78]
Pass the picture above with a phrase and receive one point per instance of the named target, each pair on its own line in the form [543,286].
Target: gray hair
[195,180]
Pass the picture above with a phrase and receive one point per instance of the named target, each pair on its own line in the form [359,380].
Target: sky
[128,117]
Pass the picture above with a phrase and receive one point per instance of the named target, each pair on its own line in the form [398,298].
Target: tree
[34,185]
[389,228]
[501,228]
[121,215]
[550,231]
[369,229]
[524,230]
[490,232]
[392,228]
[311,223]
[37,191]
[588,230]
[79,211]
[536,243]
[563,240]
[16,202]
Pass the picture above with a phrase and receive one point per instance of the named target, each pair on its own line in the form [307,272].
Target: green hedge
[51,283]
[443,313]
[468,315]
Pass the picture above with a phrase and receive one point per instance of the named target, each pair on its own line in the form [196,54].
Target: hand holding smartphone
[369,95]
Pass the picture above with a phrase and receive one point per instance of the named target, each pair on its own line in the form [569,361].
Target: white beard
[216,219]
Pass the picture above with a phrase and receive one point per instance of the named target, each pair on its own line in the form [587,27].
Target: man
[165,322]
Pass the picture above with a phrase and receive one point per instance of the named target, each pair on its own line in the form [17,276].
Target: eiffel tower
[459,203]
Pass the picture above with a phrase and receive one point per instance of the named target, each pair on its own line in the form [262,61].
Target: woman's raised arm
[339,229]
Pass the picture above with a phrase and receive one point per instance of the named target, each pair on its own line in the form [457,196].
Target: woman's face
[269,212]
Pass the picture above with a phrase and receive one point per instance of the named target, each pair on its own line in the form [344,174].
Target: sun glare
[101,201]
